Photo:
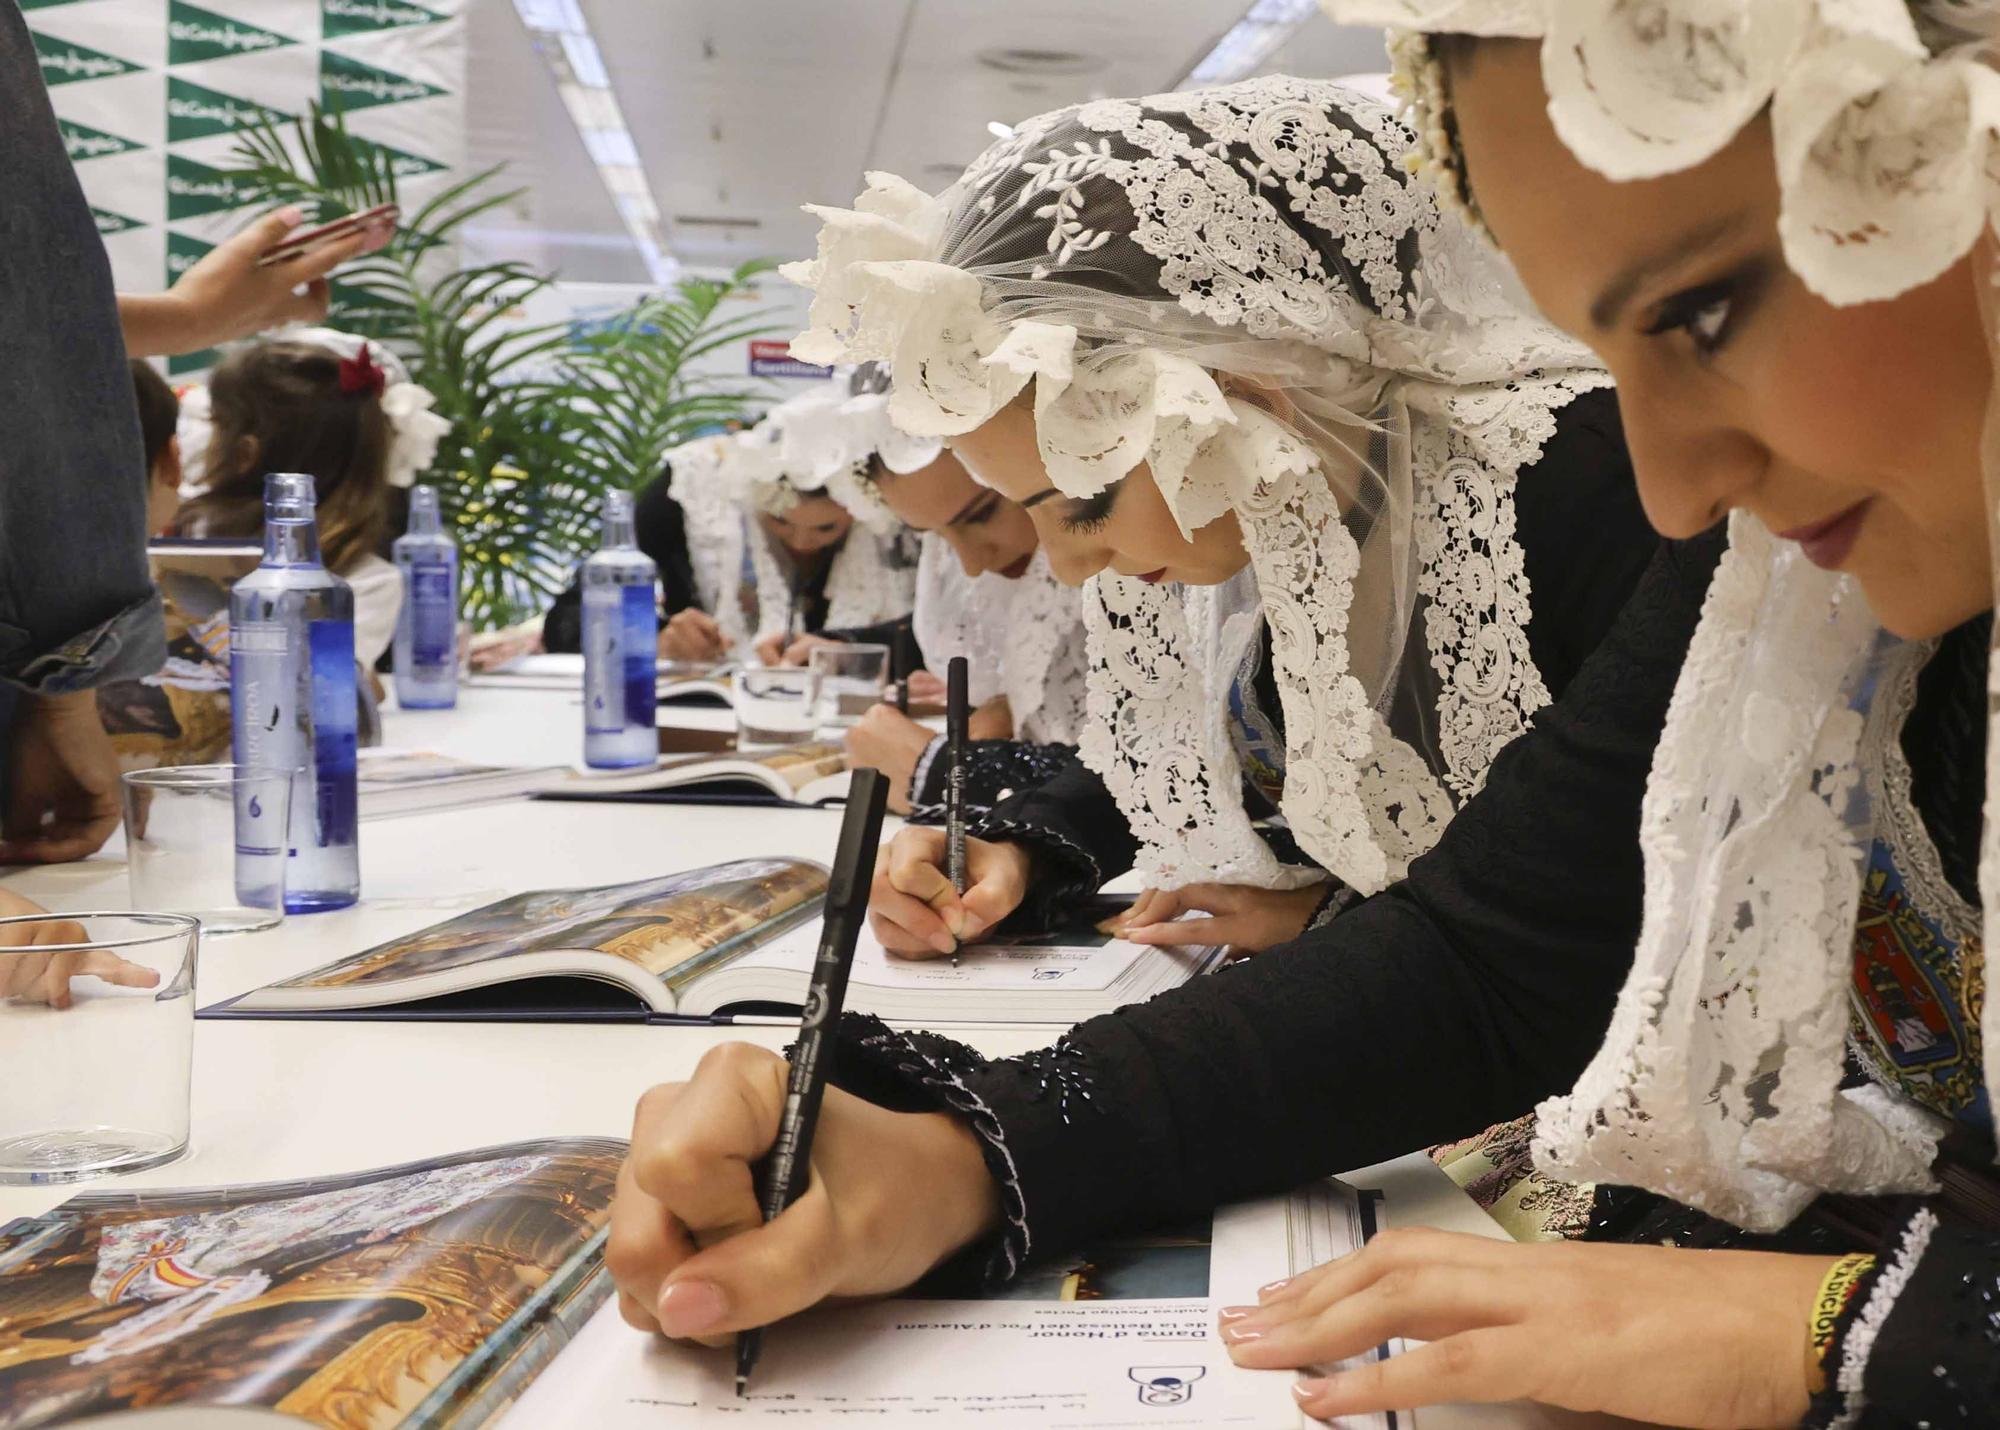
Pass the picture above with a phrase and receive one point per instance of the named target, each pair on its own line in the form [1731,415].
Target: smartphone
[302,241]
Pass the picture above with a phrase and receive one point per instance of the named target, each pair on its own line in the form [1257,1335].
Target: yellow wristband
[1834,1293]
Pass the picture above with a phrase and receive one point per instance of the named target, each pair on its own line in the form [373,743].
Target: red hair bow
[359,374]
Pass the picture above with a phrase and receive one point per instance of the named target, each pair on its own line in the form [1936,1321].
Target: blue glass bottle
[426,652]
[621,639]
[292,694]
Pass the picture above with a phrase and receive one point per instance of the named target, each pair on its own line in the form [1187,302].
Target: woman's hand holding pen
[781,649]
[692,634]
[913,908]
[689,1247]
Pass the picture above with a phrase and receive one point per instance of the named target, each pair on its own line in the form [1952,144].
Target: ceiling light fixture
[1251,41]
[563,38]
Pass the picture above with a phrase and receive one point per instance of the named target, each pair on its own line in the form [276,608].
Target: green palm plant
[544,418]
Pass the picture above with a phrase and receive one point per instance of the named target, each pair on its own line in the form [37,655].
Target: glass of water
[846,680]
[772,707]
[96,1038]
[209,840]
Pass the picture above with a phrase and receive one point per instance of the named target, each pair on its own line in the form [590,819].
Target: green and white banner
[151,95]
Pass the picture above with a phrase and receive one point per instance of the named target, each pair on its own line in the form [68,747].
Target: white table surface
[276,1100]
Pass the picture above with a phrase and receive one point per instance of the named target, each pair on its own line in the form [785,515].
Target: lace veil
[814,444]
[1134,269]
[1718,1083]
[1022,639]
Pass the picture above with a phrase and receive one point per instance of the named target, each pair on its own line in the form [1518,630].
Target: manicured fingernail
[1272,1288]
[688,1308]
[1243,1333]
[1311,1389]
[292,214]
[1237,1313]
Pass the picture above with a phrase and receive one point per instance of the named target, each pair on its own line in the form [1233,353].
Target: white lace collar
[1021,639]
[1718,1083]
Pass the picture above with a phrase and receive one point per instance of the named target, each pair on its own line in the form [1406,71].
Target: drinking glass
[846,680]
[209,840]
[96,1037]
[772,707]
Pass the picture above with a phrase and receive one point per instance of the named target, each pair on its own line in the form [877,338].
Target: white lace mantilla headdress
[1719,1081]
[820,443]
[1128,258]
[1882,112]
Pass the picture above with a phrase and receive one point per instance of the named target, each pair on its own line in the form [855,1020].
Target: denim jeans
[77,605]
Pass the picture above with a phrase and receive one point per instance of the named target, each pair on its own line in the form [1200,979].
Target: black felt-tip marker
[956,718]
[784,1174]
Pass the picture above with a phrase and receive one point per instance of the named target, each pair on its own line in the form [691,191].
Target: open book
[459,1292]
[795,774]
[397,781]
[696,682]
[729,940]
[424,1295]
[1121,1335]
[392,781]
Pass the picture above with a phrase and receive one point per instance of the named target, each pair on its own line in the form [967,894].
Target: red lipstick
[1827,543]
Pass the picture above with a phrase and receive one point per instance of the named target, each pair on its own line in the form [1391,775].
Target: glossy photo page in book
[1121,1336]
[411,1296]
[673,928]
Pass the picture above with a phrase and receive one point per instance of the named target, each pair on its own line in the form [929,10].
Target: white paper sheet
[1069,967]
[1041,1361]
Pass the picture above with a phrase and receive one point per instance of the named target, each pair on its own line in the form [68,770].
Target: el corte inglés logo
[64,63]
[350,15]
[223,35]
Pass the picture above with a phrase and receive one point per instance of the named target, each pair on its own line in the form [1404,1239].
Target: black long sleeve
[994,769]
[1915,1345]
[1451,1001]
[661,530]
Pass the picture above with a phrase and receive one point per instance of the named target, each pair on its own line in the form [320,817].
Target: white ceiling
[745,109]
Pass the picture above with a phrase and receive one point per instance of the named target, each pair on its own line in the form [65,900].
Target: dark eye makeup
[1090,513]
[1709,313]
[980,514]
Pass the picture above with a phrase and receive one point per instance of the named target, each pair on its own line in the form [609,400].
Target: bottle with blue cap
[292,694]
[426,650]
[621,640]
